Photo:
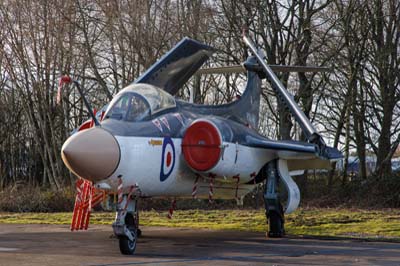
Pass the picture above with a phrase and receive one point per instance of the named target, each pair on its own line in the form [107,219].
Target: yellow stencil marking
[155,142]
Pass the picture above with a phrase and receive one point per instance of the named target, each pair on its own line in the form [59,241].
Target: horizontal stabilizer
[281,145]
[290,149]
[177,66]
[275,68]
[330,153]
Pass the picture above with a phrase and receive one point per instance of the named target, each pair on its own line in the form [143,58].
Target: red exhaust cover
[201,146]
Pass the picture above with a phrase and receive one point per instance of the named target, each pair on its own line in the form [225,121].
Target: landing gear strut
[273,206]
[126,225]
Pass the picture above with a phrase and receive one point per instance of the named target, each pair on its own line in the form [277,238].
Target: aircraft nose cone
[93,154]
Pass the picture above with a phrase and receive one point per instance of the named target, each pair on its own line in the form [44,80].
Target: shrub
[34,199]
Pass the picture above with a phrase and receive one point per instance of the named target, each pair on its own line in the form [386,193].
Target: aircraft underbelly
[158,167]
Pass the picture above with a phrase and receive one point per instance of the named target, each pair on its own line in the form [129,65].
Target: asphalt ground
[56,245]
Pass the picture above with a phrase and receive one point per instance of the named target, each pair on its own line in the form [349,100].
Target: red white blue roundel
[167,159]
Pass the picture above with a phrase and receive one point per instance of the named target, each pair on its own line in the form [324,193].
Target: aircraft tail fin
[177,66]
[245,109]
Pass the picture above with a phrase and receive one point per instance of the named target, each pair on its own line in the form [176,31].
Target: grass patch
[382,224]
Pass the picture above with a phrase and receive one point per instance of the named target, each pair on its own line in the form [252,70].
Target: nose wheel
[126,225]
[127,246]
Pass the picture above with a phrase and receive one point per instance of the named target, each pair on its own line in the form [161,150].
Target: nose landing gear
[126,225]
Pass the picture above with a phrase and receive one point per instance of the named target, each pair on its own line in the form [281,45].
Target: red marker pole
[211,191]
[171,209]
[128,198]
[78,199]
[194,190]
[81,213]
[253,175]
[237,185]
[120,190]
[89,206]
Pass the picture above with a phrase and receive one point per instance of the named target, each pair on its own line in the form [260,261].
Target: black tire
[126,246]
[276,229]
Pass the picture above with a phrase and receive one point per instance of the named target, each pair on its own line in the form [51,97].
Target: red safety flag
[63,79]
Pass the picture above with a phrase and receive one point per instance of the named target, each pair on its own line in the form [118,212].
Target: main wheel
[275,222]
[126,246]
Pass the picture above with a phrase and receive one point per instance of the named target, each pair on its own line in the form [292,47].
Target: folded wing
[177,66]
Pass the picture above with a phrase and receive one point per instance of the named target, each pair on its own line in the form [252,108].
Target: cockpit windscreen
[130,107]
[138,102]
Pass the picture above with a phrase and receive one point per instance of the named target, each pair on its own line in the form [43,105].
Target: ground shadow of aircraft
[149,144]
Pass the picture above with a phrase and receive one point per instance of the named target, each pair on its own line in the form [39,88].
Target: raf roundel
[167,159]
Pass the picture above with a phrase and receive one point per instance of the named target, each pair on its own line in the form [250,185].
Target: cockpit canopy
[138,102]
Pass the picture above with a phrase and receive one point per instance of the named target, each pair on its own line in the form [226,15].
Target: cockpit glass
[130,107]
[138,102]
[138,109]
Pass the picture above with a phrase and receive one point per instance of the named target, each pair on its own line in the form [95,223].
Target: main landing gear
[126,225]
[273,206]
[277,171]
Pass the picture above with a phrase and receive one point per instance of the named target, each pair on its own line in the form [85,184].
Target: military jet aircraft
[149,144]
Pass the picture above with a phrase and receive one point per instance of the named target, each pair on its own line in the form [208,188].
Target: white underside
[141,164]
[141,159]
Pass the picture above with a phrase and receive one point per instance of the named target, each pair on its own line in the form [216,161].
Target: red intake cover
[86,125]
[201,146]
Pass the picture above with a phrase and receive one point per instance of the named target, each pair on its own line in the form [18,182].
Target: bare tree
[384,22]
